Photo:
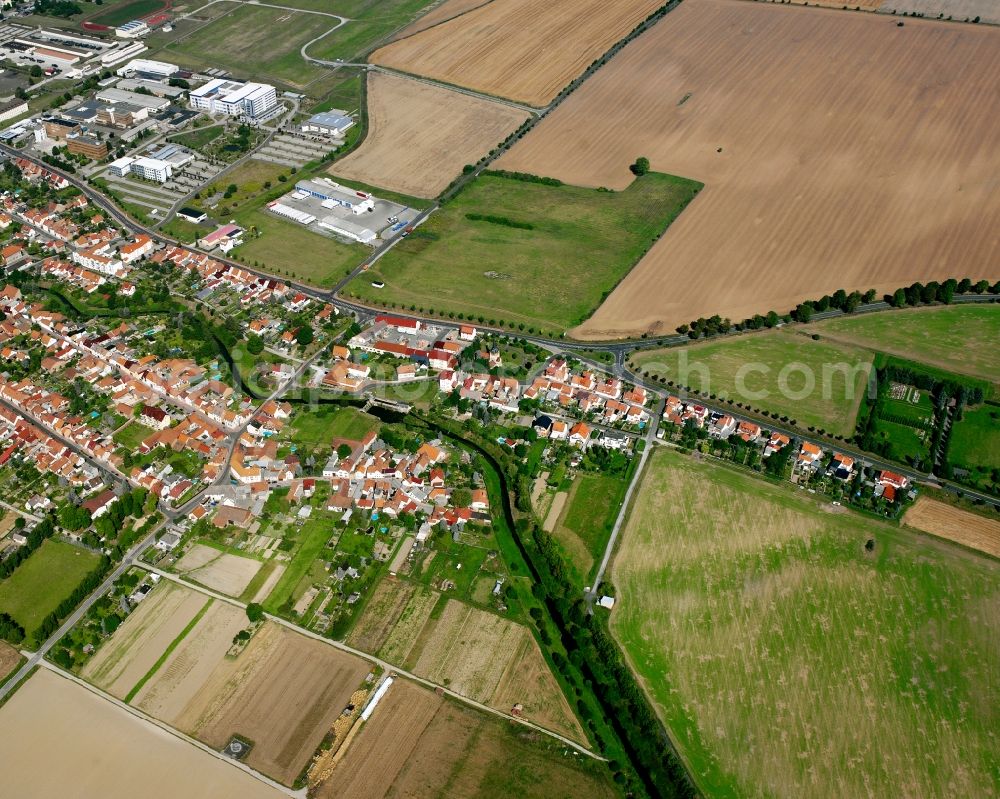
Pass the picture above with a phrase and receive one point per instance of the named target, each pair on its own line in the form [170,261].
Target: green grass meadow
[715,368]
[255,41]
[44,580]
[587,519]
[975,445]
[956,338]
[787,660]
[581,243]
[317,427]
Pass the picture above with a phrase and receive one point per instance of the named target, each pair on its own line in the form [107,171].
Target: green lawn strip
[312,537]
[371,21]
[167,652]
[580,244]
[258,580]
[958,338]
[816,383]
[43,581]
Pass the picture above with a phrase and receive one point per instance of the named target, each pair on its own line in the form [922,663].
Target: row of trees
[841,300]
[87,585]
[590,650]
[44,529]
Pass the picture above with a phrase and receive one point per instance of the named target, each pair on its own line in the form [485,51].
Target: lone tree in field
[255,612]
[641,166]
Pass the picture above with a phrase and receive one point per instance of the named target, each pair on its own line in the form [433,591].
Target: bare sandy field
[268,585]
[520,49]
[403,153]
[385,744]
[449,9]
[100,750]
[955,524]
[283,693]
[220,571]
[555,511]
[415,745]
[854,154]
[193,661]
[142,638]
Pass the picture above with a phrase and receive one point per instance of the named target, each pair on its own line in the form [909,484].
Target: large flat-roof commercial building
[152,169]
[153,103]
[146,66]
[221,96]
[328,123]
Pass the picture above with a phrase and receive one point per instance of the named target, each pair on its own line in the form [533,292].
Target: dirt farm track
[837,150]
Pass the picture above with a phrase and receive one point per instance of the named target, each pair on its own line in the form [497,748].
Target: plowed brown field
[855,154]
[955,524]
[405,153]
[520,49]
[283,693]
[418,745]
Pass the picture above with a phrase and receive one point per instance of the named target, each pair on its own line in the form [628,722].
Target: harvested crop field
[788,660]
[518,49]
[854,154]
[191,663]
[383,610]
[220,571]
[955,524]
[9,658]
[283,693]
[59,739]
[403,153]
[417,744]
[470,651]
[494,661]
[137,644]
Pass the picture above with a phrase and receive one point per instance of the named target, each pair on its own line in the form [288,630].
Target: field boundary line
[139,714]
[168,651]
[399,670]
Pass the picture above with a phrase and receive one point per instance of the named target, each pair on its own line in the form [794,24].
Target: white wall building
[132,30]
[152,169]
[148,67]
[121,166]
[236,99]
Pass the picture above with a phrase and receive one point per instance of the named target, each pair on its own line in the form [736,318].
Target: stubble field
[837,150]
[518,49]
[60,739]
[283,693]
[403,153]
[474,653]
[788,661]
[221,571]
[955,524]
[142,638]
[418,744]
